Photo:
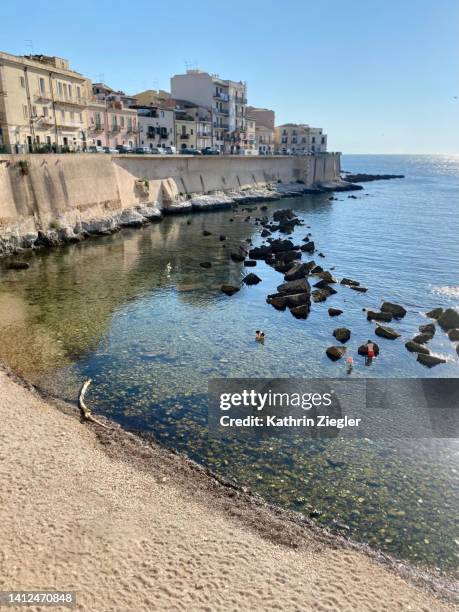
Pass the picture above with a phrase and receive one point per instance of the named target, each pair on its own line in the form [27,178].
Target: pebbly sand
[130,527]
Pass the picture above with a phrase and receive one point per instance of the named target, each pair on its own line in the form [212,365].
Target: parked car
[210,151]
[111,150]
[96,149]
[141,150]
[171,150]
[124,149]
[156,151]
[190,152]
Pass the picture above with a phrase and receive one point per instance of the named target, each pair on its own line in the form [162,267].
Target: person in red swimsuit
[370,352]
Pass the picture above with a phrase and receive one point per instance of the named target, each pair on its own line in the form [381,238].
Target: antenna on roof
[29,43]
[188,65]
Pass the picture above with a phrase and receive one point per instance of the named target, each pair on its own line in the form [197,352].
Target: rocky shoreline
[61,233]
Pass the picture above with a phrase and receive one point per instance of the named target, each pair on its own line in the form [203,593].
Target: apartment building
[262,116]
[42,104]
[264,137]
[152,97]
[156,126]
[300,139]
[227,101]
[251,142]
[110,120]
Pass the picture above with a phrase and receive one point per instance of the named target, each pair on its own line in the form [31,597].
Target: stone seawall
[48,199]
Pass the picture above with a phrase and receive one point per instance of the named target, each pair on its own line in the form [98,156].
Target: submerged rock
[251,279]
[453,334]
[205,264]
[386,332]
[395,310]
[429,360]
[449,319]
[229,289]
[358,288]
[334,312]
[335,352]
[17,265]
[342,334]
[415,347]
[206,233]
[237,257]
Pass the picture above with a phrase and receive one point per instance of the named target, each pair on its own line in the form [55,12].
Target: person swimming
[259,336]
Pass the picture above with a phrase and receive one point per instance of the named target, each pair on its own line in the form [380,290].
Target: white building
[227,101]
[156,127]
[300,138]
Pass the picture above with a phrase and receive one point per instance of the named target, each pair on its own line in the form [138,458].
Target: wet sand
[129,525]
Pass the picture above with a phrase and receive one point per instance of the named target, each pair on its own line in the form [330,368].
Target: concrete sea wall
[61,196]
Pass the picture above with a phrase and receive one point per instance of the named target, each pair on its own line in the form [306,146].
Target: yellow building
[300,138]
[185,130]
[151,97]
[42,104]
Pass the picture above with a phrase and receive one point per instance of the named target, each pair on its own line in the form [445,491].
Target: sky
[379,76]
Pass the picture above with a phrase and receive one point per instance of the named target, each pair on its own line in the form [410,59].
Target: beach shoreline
[179,483]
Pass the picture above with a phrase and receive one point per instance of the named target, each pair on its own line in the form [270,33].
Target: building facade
[110,120]
[263,116]
[42,104]
[152,97]
[299,139]
[156,127]
[264,140]
[227,101]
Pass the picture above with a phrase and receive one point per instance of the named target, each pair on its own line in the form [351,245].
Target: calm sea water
[137,313]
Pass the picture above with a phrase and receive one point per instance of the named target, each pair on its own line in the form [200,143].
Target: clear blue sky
[378,76]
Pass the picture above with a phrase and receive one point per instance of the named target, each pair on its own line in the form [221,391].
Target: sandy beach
[130,526]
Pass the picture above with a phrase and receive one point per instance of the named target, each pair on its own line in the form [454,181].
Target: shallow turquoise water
[137,313]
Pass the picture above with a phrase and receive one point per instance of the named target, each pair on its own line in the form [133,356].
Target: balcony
[204,134]
[221,96]
[219,111]
[69,100]
[69,125]
[114,129]
[98,127]
[131,130]
[45,122]
[184,136]
[43,95]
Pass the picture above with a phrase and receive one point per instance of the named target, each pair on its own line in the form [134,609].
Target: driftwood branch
[86,413]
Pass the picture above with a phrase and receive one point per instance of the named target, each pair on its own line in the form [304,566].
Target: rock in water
[17,265]
[349,282]
[362,350]
[386,332]
[229,289]
[429,360]
[278,301]
[334,312]
[265,233]
[435,313]
[453,335]
[427,329]
[414,347]
[262,252]
[342,334]
[449,319]
[395,310]
[250,263]
[251,279]
[296,286]
[300,312]
[298,270]
[308,247]
[206,233]
[359,288]
[237,257]
[423,338]
[205,264]
[222,237]
[335,352]
[379,316]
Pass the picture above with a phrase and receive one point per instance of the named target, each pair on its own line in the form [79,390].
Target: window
[313,139]
[41,84]
[78,89]
[25,112]
[34,111]
[62,115]
[161,113]
[81,117]
[122,121]
[323,139]
[59,89]
[72,116]
[45,111]
[22,81]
